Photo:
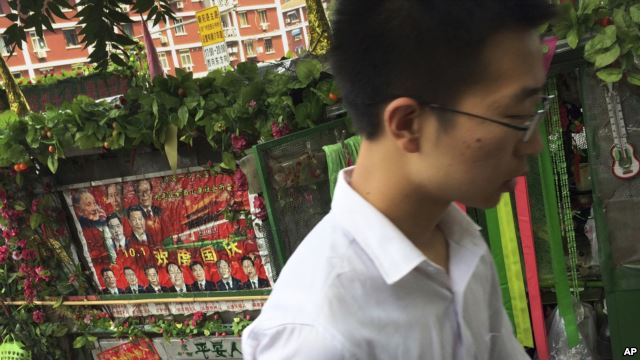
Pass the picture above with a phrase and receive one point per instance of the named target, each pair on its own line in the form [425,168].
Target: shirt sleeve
[503,343]
[290,341]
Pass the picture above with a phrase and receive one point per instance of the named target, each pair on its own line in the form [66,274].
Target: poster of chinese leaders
[183,233]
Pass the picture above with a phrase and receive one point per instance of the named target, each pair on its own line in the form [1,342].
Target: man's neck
[139,235]
[254,278]
[383,181]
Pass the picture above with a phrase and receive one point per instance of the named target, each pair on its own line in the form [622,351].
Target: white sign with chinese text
[216,56]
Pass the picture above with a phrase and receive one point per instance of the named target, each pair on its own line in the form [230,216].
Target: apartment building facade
[255,30]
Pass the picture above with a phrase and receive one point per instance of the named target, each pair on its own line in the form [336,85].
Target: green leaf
[587,6]
[58,302]
[35,220]
[603,40]
[91,338]
[620,19]
[573,38]
[610,75]
[79,342]
[607,57]
[52,163]
[634,11]
[228,161]
[633,78]
[183,116]
[308,71]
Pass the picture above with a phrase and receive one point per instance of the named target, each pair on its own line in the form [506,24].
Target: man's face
[223,269]
[131,277]
[113,197]
[115,227]
[248,268]
[152,276]
[109,279]
[136,219]
[462,158]
[175,275]
[198,273]
[88,208]
[144,193]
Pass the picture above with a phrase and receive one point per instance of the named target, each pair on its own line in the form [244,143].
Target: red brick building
[259,30]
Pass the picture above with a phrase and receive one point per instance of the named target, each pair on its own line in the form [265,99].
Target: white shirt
[357,288]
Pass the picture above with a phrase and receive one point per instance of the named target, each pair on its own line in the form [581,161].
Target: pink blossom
[259,209]
[279,130]
[239,142]
[194,323]
[87,319]
[28,254]
[72,280]
[4,253]
[16,255]
[38,316]
[22,243]
[198,315]
[25,269]
[240,180]
[34,205]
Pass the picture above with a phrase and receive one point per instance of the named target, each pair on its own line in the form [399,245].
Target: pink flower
[151,320]
[194,323]
[125,325]
[259,209]
[238,143]
[38,316]
[279,130]
[240,180]
[198,315]
[252,104]
[34,205]
[22,243]
[4,253]
[87,319]
[25,269]
[28,254]
[16,255]
[72,280]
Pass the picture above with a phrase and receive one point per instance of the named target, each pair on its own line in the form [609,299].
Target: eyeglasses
[530,121]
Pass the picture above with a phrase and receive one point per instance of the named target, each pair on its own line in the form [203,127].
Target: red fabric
[531,268]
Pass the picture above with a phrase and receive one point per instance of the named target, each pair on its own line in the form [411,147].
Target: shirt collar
[393,254]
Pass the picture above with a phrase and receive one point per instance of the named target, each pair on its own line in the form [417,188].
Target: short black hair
[114,216]
[105,270]
[127,268]
[247,258]
[194,264]
[76,197]
[382,50]
[149,267]
[134,209]
[135,188]
[221,260]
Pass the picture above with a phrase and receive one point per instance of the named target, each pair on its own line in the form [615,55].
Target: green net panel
[13,350]
[295,184]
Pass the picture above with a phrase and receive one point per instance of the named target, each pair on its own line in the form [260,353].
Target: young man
[446,94]
[227,281]
[199,275]
[253,281]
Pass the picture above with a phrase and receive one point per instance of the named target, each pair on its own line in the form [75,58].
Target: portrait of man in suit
[201,283]
[117,232]
[226,282]
[177,279]
[253,281]
[114,197]
[144,193]
[111,288]
[154,281]
[138,227]
[132,279]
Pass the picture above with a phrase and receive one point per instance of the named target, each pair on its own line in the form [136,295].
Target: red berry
[333,97]
[605,21]
[52,149]
[20,167]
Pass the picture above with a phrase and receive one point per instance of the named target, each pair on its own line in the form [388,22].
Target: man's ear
[402,121]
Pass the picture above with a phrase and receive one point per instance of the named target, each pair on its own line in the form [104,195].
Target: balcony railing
[223,5]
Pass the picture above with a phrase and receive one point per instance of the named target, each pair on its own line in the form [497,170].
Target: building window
[128,29]
[185,60]
[225,20]
[249,45]
[296,34]
[16,75]
[4,49]
[71,36]
[38,43]
[164,61]
[292,17]
[243,19]
[268,46]
[179,27]
[263,16]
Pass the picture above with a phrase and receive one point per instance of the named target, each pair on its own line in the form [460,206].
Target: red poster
[178,233]
[141,349]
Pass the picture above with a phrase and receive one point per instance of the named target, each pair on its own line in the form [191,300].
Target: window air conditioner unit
[41,54]
[264,27]
[180,4]
[163,39]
